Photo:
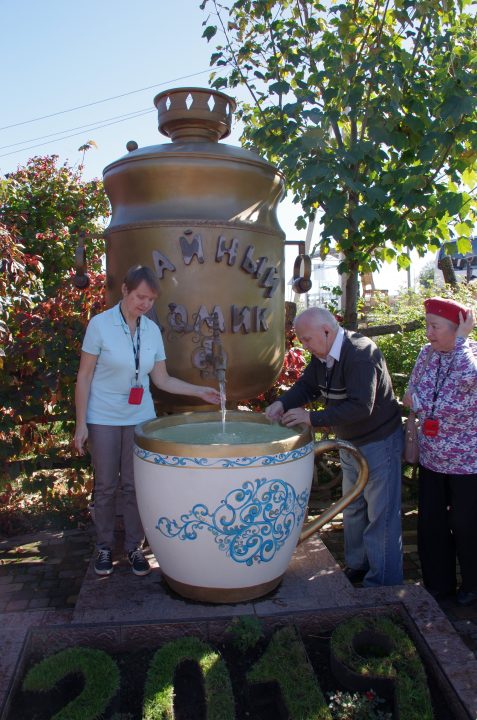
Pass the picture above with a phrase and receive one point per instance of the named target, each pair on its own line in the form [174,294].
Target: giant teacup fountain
[222,499]
[224,511]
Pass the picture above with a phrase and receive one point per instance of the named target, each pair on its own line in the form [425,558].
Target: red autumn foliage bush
[42,347]
[293,366]
[44,207]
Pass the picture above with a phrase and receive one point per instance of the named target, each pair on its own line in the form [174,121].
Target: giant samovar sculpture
[202,214]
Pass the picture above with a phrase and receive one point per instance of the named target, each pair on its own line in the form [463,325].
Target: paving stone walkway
[45,571]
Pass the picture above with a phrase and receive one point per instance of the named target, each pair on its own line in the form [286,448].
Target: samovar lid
[194,114]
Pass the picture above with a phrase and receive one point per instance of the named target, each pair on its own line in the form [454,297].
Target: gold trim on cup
[221,595]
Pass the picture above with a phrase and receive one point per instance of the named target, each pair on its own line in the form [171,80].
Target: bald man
[349,373]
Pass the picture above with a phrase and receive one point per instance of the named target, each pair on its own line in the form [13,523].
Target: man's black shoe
[354,575]
[466,598]
[441,595]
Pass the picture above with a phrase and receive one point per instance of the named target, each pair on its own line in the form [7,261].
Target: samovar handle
[325,446]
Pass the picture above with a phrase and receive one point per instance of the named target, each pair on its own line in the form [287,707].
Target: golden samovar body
[203,216]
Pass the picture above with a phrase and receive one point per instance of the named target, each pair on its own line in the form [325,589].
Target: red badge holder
[135,395]
[430,427]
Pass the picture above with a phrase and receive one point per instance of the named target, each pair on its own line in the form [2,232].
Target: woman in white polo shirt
[121,350]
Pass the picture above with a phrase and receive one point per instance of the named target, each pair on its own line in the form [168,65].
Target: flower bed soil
[252,702]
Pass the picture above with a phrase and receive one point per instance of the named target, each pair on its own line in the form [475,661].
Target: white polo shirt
[335,350]
[108,337]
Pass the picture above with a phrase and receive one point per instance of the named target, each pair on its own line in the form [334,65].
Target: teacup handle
[325,446]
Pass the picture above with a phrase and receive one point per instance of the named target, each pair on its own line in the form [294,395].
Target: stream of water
[222,403]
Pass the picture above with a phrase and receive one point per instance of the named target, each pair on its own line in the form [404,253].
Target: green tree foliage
[426,276]
[369,108]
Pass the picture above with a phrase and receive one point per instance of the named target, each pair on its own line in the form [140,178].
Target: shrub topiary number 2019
[366,652]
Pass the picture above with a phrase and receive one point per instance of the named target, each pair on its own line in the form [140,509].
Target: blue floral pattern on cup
[250,525]
[222,462]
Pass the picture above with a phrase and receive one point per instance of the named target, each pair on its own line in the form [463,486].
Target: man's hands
[295,416]
[275,411]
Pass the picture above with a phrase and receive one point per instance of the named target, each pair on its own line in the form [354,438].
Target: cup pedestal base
[221,596]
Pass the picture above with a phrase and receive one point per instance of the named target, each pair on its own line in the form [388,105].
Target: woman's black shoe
[466,598]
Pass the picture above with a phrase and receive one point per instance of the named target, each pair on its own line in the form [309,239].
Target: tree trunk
[351,301]
[448,270]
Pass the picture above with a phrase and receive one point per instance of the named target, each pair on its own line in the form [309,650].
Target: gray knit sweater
[360,405]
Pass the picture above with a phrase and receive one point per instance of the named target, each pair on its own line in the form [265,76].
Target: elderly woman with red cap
[443,392]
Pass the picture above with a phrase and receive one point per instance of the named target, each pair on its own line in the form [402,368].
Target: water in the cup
[212,433]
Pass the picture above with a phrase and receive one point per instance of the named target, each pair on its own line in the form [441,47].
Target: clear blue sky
[58,55]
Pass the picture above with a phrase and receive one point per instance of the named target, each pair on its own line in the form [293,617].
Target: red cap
[448,309]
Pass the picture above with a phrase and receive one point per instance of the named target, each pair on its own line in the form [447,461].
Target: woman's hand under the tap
[295,416]
[275,411]
[210,395]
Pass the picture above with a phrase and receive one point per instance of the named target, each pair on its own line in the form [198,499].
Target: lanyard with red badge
[137,391]
[430,426]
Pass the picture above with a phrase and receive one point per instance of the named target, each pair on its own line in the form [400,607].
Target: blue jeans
[372,522]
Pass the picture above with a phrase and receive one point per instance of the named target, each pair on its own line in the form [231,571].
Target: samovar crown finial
[194,114]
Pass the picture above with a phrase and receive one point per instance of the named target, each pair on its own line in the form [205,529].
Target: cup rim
[143,440]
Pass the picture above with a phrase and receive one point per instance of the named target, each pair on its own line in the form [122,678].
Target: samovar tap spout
[219,356]
[219,360]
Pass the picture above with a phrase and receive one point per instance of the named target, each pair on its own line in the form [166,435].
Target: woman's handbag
[410,453]
[411,445]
